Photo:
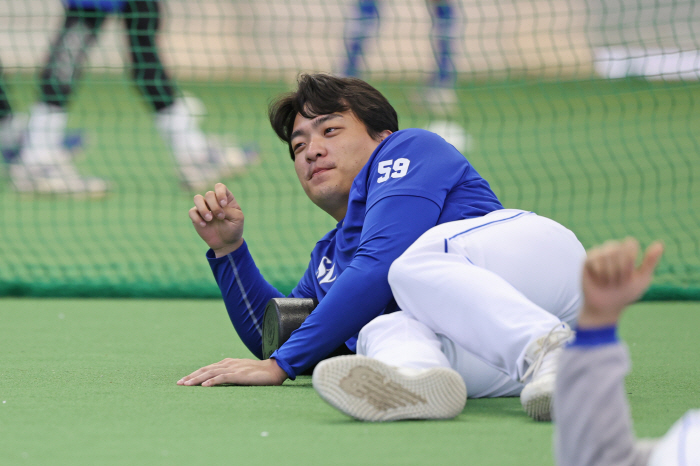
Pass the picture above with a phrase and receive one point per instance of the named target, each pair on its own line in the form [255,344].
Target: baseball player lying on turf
[386,188]
[593,425]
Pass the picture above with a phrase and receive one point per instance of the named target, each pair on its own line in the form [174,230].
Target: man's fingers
[209,374]
[196,218]
[202,370]
[628,251]
[193,375]
[216,210]
[603,263]
[613,260]
[593,264]
[212,371]
[223,195]
[652,256]
[220,379]
[201,204]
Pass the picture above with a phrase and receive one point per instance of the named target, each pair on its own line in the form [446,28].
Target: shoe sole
[369,390]
[537,402]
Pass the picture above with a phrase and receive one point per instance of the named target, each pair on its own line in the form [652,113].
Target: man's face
[330,150]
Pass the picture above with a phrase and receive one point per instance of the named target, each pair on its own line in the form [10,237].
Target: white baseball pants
[474,293]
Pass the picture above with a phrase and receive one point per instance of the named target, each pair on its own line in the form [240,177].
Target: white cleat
[60,178]
[543,356]
[369,390]
[221,161]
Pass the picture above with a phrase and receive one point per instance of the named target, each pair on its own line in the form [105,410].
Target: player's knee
[396,272]
[401,269]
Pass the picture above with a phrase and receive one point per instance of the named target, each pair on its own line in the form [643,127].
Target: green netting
[583,111]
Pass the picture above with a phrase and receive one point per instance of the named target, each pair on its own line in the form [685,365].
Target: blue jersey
[413,181]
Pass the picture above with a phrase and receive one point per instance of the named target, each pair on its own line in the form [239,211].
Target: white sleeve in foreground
[591,413]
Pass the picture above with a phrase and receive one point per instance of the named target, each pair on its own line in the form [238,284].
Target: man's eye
[328,130]
[298,146]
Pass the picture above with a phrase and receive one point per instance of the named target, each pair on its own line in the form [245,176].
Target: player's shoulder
[415,136]
[419,148]
[418,143]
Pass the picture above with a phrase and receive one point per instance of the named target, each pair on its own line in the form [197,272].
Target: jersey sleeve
[415,162]
[245,294]
[594,425]
[362,291]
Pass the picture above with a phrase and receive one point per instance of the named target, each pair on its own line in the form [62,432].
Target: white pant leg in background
[491,285]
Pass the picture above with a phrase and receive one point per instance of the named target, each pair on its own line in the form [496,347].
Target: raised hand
[218,219]
[612,280]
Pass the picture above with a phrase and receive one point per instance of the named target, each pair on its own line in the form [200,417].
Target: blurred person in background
[44,166]
[363,24]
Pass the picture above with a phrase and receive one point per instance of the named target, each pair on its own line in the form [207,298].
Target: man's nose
[315,149]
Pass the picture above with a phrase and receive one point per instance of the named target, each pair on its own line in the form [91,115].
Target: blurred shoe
[221,160]
[202,160]
[543,356]
[369,390]
[58,177]
[12,133]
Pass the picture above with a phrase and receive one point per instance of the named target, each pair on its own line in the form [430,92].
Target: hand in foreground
[237,371]
[218,219]
[612,280]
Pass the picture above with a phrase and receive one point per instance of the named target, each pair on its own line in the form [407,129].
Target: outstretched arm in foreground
[592,420]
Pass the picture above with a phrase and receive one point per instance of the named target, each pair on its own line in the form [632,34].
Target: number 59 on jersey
[392,168]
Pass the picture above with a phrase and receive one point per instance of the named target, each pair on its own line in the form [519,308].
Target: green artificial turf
[92,382]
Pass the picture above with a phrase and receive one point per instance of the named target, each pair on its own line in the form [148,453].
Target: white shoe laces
[556,338]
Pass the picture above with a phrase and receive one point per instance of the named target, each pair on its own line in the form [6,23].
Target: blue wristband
[595,336]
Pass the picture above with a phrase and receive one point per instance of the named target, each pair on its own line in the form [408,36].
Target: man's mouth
[319,170]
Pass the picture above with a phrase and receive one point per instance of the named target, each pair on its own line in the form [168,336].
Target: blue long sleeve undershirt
[359,294]
[245,294]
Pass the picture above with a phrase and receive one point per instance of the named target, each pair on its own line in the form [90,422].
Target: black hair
[323,94]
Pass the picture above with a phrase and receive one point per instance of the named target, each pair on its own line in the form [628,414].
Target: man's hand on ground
[612,280]
[218,219]
[238,372]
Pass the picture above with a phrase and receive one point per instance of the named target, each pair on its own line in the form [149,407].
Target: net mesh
[585,111]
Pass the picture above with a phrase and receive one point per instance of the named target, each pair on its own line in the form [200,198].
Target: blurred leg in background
[45,166]
[363,24]
[11,125]
[440,94]
[202,160]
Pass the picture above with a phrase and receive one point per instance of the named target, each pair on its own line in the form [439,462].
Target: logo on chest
[324,274]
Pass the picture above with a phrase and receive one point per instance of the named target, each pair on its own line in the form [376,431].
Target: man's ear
[384,134]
